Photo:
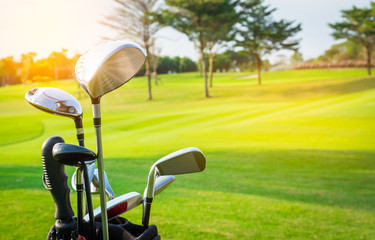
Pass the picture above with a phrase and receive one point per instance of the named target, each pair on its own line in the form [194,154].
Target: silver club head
[108,66]
[91,170]
[187,160]
[55,101]
[119,205]
[95,185]
[162,182]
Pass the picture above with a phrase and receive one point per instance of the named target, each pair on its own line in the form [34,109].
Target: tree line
[58,66]
[357,28]
[348,54]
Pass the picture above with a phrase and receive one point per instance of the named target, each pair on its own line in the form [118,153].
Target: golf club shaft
[147,211]
[148,198]
[103,205]
[84,170]
[80,133]
[89,202]
[79,187]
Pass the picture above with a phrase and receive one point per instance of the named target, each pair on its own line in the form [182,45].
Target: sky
[43,26]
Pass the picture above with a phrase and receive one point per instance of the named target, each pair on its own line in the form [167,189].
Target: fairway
[291,159]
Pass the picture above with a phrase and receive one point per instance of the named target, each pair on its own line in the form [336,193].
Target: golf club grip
[56,180]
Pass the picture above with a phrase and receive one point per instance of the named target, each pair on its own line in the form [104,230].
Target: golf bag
[65,228]
[119,229]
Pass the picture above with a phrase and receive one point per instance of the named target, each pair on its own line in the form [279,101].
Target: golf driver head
[108,66]
[55,101]
[119,205]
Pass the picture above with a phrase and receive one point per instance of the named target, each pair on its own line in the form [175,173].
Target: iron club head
[122,204]
[119,205]
[95,185]
[188,160]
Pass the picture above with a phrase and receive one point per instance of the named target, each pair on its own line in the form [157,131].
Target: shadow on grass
[312,89]
[21,177]
[335,178]
[329,87]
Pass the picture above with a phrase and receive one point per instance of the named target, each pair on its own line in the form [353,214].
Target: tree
[27,61]
[220,26]
[187,65]
[61,64]
[332,52]
[200,21]
[8,71]
[296,58]
[258,34]
[231,59]
[348,50]
[357,25]
[134,19]
[155,58]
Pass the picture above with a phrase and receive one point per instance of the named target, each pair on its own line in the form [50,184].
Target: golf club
[61,103]
[77,156]
[99,71]
[94,185]
[161,183]
[119,205]
[188,160]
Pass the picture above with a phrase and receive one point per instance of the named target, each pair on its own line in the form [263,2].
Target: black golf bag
[119,229]
[65,228]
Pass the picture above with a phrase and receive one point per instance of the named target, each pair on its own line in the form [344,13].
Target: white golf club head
[108,66]
[119,205]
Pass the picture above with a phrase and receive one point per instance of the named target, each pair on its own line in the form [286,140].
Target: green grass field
[292,159]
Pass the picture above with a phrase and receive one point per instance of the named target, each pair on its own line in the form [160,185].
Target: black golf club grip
[56,180]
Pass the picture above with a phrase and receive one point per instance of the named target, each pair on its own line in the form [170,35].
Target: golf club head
[108,66]
[95,185]
[187,160]
[90,168]
[119,205]
[162,182]
[55,101]
[73,155]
